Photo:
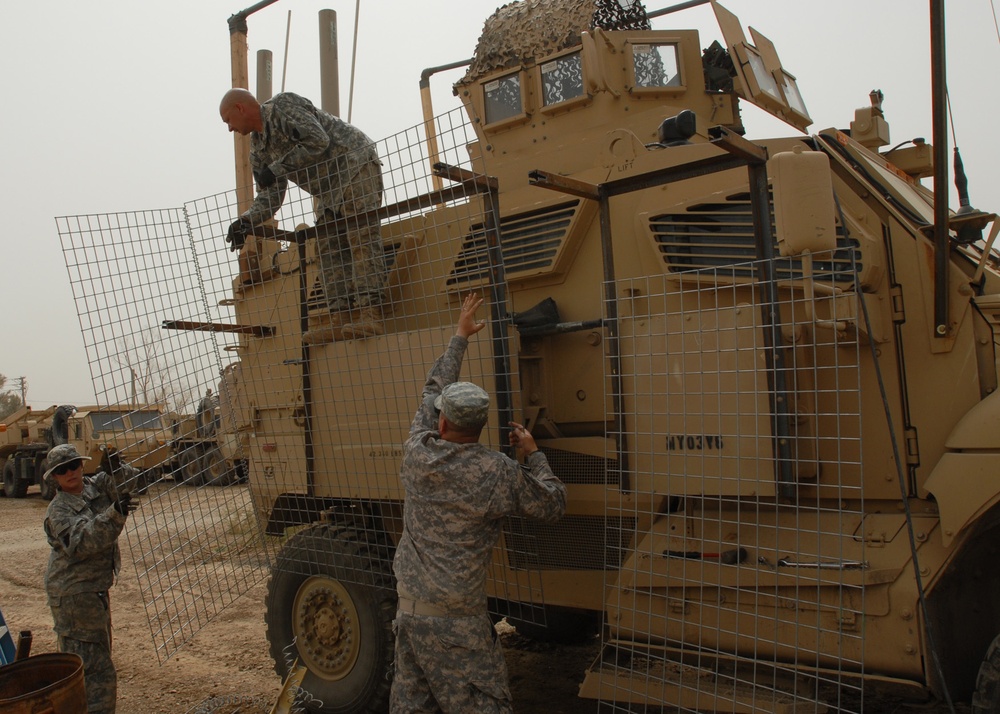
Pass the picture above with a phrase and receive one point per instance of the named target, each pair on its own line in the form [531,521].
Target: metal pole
[940,129]
[760,209]
[265,65]
[329,65]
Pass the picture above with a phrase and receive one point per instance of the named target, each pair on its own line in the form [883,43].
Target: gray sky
[113,106]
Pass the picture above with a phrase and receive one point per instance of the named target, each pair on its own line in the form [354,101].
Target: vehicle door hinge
[912,447]
[896,296]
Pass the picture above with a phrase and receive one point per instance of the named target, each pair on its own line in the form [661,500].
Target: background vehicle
[765,370]
[129,443]
[198,456]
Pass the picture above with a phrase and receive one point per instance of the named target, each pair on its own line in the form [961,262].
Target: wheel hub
[325,626]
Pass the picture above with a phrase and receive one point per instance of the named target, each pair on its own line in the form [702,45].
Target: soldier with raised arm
[458,491]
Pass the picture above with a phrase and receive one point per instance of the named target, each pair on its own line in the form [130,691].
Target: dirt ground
[226,667]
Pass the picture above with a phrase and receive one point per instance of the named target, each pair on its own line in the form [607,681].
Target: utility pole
[22,384]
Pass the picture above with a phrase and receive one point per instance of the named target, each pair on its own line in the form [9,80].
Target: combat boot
[366,324]
[324,328]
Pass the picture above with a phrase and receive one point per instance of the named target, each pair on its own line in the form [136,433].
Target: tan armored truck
[130,443]
[765,369]
[766,375]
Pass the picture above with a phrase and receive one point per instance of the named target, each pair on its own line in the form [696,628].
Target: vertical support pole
[240,74]
[426,106]
[940,129]
[613,345]
[760,209]
[499,319]
[329,65]
[265,75]
[307,400]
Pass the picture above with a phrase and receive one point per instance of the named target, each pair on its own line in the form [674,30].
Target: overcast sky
[112,106]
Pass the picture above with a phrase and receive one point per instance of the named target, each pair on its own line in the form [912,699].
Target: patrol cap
[464,404]
[62,454]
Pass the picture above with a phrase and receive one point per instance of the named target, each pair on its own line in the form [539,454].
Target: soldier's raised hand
[467,323]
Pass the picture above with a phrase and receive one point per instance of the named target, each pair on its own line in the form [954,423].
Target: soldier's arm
[79,535]
[268,200]
[309,140]
[444,371]
[448,366]
[540,493]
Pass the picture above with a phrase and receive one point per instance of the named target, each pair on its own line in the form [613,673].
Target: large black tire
[217,470]
[330,604]
[986,698]
[13,487]
[190,470]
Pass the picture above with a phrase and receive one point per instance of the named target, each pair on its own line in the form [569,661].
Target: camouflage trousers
[448,664]
[351,261]
[83,627]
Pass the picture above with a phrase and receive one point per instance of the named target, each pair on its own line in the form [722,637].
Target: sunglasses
[68,466]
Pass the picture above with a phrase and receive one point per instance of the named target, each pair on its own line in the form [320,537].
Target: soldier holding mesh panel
[458,491]
[82,525]
[336,163]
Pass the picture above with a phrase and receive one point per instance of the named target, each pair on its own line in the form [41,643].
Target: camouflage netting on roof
[531,28]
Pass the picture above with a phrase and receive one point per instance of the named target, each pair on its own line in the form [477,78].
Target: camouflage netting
[533,28]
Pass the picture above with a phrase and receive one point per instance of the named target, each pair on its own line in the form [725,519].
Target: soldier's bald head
[240,110]
[237,95]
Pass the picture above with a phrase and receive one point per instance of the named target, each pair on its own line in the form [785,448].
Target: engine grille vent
[576,468]
[572,543]
[720,235]
[529,243]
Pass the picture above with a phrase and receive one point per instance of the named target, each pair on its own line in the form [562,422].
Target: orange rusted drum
[44,683]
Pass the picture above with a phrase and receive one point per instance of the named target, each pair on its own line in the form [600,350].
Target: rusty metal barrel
[50,683]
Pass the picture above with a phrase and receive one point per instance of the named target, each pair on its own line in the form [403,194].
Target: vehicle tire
[190,471]
[986,698]
[13,487]
[331,601]
[561,626]
[216,468]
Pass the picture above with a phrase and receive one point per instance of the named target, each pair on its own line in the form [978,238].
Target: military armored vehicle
[198,456]
[765,369]
[129,443]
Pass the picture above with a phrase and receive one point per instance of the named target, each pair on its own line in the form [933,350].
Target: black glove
[265,177]
[237,234]
[124,503]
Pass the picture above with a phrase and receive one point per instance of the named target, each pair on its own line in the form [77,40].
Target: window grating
[529,243]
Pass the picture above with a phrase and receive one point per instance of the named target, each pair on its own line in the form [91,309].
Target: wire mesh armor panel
[734,598]
[280,455]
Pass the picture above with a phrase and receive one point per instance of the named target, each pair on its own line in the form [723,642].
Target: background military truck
[129,443]
[198,456]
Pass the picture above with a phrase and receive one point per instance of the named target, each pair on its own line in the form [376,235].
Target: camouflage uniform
[456,498]
[83,531]
[338,165]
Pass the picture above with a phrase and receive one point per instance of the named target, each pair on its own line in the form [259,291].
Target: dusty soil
[226,667]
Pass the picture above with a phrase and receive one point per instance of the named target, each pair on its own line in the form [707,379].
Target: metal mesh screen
[743,590]
[277,452]
[715,473]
